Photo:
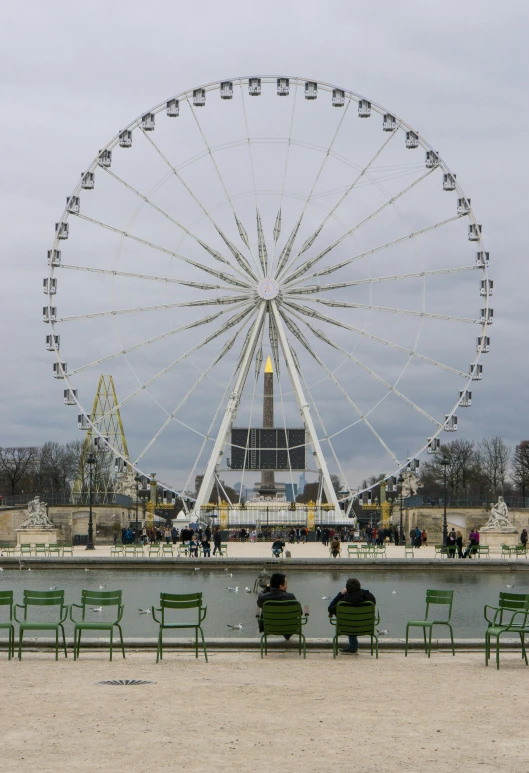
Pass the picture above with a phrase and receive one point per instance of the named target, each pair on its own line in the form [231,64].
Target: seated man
[206,547]
[352,594]
[277,547]
[275,591]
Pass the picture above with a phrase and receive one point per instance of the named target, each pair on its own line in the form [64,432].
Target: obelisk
[268,486]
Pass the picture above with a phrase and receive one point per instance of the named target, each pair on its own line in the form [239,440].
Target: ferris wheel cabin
[474,232]
[70,396]
[73,204]
[49,286]
[389,124]
[62,230]
[449,181]
[54,258]
[254,87]
[125,138]
[463,206]
[173,108]
[87,180]
[483,344]
[465,399]
[105,158]
[364,108]
[199,97]
[412,140]
[476,371]
[226,90]
[450,424]
[59,369]
[52,343]
[49,314]
[283,87]
[311,90]
[147,122]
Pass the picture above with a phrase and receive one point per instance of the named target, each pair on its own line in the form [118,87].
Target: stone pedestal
[495,538]
[34,536]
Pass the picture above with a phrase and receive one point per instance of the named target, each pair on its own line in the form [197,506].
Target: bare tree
[520,467]
[17,465]
[494,457]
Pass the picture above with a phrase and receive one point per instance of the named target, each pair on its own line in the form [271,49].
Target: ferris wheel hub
[268,289]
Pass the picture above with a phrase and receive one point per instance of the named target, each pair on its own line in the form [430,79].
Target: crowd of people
[198,541]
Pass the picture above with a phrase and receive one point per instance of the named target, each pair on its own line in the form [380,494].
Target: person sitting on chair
[275,591]
[352,594]
[277,547]
[206,546]
[335,548]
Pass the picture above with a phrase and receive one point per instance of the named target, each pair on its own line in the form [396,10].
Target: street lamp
[90,460]
[138,481]
[402,538]
[445,464]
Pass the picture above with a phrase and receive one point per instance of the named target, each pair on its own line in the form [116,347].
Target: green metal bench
[433,598]
[37,598]
[94,603]
[171,604]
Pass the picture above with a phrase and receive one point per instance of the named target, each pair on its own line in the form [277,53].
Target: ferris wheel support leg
[305,409]
[230,412]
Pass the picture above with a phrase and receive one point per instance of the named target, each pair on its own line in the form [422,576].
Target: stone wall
[461,519]
[70,520]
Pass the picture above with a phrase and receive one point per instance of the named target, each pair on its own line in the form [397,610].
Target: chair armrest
[154,610]
[377,618]
[120,612]
[20,606]
[304,619]
[496,610]
[205,611]
[522,612]
[78,606]
[332,620]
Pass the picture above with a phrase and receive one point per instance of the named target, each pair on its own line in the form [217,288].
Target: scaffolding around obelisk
[109,476]
[268,485]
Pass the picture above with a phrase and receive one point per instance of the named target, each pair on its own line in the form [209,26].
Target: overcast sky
[73,73]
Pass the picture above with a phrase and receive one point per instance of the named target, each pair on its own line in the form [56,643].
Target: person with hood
[352,594]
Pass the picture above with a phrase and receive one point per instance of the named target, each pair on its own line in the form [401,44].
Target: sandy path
[394,714]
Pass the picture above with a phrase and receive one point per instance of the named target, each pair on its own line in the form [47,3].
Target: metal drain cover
[125,682]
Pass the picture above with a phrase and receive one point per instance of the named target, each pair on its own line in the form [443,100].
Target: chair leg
[406,645]
[57,643]
[425,641]
[262,652]
[159,648]
[430,641]
[334,647]
[524,653]
[121,639]
[63,640]
[487,648]
[196,642]
[452,638]
[20,638]
[376,646]
[204,645]
[79,632]
[498,652]
[111,642]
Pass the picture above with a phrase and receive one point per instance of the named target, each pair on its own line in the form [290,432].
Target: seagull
[235,627]
[236,590]
[53,587]
[394,592]
[102,587]
[87,570]
[382,633]
[144,611]
[197,568]
[228,575]
[1,569]
[246,590]
[510,586]
[29,569]
[96,609]
[324,598]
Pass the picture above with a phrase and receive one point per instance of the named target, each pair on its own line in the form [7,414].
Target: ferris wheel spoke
[337,266]
[305,311]
[372,307]
[235,252]
[214,253]
[227,325]
[116,312]
[203,321]
[225,349]
[312,261]
[208,270]
[197,201]
[294,329]
[311,289]
[316,232]
[151,278]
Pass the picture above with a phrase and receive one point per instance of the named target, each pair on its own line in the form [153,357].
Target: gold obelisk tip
[268,366]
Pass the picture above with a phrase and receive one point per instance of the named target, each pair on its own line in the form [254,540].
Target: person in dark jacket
[276,591]
[352,594]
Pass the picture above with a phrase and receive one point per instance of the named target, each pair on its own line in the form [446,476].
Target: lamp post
[402,538]
[138,481]
[90,460]
[445,464]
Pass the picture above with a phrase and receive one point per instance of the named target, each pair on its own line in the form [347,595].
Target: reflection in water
[141,590]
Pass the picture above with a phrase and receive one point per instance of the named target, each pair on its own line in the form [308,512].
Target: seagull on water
[324,598]
[247,590]
[53,587]
[394,592]
[236,590]
[382,633]
[144,611]
[197,568]
[510,586]
[102,587]
[235,627]
[96,609]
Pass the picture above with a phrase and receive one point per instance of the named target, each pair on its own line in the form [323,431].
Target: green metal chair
[352,551]
[167,550]
[510,616]
[433,598]
[174,603]
[521,550]
[6,600]
[508,550]
[283,618]
[355,621]
[8,550]
[41,598]
[116,550]
[41,547]
[409,552]
[26,549]
[183,550]
[97,599]
[54,548]
[154,549]
[67,550]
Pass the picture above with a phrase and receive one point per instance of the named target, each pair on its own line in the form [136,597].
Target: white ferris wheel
[270,216]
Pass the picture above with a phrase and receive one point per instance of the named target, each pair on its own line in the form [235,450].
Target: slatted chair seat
[283,618]
[100,600]
[433,598]
[6,600]
[510,616]
[35,598]
[176,613]
[355,621]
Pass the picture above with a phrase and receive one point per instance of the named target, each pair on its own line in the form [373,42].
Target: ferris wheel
[270,216]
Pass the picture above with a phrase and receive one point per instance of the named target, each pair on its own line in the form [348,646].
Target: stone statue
[498,516]
[410,484]
[37,517]
[125,484]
